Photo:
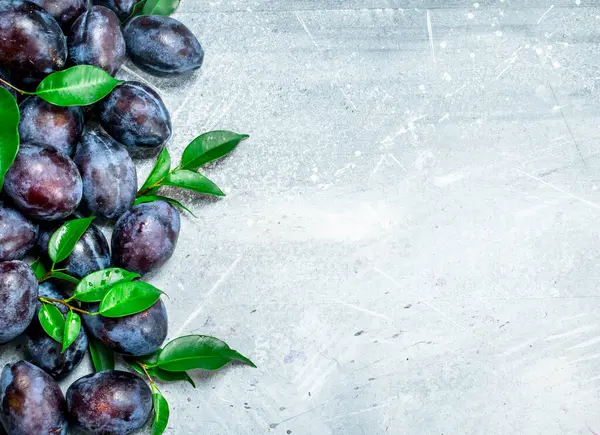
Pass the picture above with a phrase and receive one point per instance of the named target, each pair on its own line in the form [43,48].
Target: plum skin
[108,173]
[31,402]
[43,182]
[96,39]
[65,12]
[45,352]
[136,335]
[122,8]
[135,115]
[144,238]
[111,402]
[162,45]
[17,234]
[18,298]
[32,44]
[45,123]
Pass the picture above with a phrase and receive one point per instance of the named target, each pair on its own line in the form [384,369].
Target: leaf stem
[20,91]
[157,184]
[64,302]
[143,366]
[46,276]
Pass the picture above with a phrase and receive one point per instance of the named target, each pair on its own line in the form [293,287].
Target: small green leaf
[192,181]
[64,239]
[9,132]
[163,375]
[160,171]
[129,298]
[64,277]
[210,146]
[52,321]
[173,202]
[72,328]
[197,352]
[102,357]
[160,7]
[161,413]
[93,287]
[80,85]
[39,269]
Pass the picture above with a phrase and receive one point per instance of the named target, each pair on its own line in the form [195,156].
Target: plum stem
[143,366]
[63,302]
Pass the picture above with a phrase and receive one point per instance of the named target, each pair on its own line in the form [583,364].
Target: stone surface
[409,242]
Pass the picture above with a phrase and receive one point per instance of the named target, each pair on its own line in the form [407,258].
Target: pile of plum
[64,289]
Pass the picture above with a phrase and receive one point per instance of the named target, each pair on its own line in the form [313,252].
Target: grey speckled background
[411,241]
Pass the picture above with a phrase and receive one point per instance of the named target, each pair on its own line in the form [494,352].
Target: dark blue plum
[96,39]
[145,237]
[122,8]
[43,182]
[90,254]
[65,12]
[31,403]
[162,45]
[32,44]
[135,115]
[136,335]
[17,234]
[45,352]
[111,402]
[18,298]
[45,123]
[108,174]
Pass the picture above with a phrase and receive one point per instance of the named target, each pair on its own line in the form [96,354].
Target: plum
[111,402]
[31,403]
[17,234]
[162,45]
[32,44]
[43,182]
[45,123]
[45,352]
[18,298]
[136,335]
[122,8]
[135,115]
[91,252]
[145,237]
[108,174]
[65,12]
[96,39]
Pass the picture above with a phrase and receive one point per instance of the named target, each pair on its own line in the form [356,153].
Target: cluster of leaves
[202,150]
[120,294]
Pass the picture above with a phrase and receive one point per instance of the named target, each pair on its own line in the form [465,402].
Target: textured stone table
[411,238]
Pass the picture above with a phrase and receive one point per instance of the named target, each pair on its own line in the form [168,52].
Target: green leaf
[72,328]
[197,352]
[39,269]
[137,9]
[64,277]
[64,239]
[161,413]
[80,85]
[163,375]
[129,298]
[52,321]
[93,287]
[173,202]
[210,146]
[161,170]
[102,357]
[9,132]
[192,181]
[160,7]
